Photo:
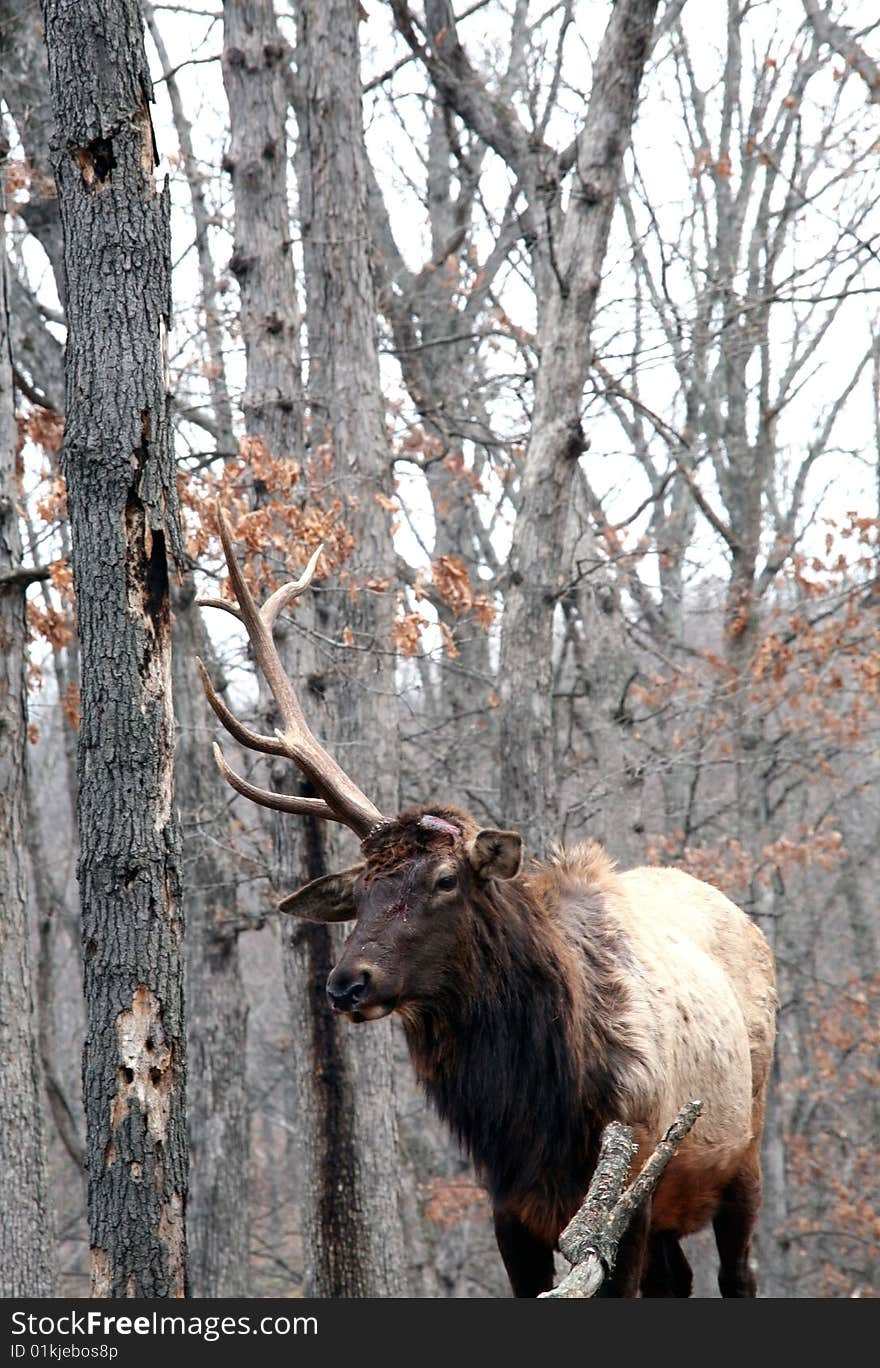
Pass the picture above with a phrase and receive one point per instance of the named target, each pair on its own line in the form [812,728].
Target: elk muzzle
[357,992]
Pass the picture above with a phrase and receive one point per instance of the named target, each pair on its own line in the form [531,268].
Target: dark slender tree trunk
[350,1219]
[121,494]
[26,1225]
[218,1115]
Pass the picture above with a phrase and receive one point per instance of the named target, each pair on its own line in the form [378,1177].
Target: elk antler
[341,800]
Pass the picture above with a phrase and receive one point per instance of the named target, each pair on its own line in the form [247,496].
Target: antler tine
[288,592]
[247,608]
[219,603]
[284,802]
[340,798]
[271,745]
[266,653]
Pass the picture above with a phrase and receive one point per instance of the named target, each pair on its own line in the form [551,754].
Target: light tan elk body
[539,1004]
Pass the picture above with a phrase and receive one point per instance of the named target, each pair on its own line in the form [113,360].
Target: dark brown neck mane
[512,1063]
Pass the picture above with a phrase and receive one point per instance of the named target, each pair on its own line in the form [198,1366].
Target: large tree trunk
[528,772]
[121,494]
[26,1225]
[345,1077]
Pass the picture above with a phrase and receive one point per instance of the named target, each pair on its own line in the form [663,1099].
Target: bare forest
[554,324]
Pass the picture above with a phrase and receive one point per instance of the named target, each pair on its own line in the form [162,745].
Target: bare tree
[567,250]
[27,1238]
[123,520]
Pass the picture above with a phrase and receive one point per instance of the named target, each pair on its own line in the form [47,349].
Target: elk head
[421,872]
[412,898]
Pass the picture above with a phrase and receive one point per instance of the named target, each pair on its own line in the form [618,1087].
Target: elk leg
[667,1272]
[626,1278]
[734,1223]
[528,1259]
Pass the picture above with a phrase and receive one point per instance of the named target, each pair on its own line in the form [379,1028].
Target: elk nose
[345,990]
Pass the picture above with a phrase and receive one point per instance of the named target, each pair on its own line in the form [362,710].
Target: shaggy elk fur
[539,1005]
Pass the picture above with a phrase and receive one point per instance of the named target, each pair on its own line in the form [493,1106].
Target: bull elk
[541,1003]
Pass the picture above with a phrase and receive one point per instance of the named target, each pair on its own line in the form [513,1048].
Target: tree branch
[591,1239]
[23,576]
[841,41]
[450,69]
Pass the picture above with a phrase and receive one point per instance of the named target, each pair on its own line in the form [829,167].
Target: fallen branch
[591,1239]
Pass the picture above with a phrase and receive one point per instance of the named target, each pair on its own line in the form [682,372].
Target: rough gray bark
[528,771]
[26,1224]
[350,1216]
[218,1107]
[121,495]
[255,75]
[217,1104]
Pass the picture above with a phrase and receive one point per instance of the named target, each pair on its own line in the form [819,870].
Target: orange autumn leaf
[484,611]
[408,634]
[449,642]
[453,583]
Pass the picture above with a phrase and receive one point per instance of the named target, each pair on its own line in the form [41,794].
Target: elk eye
[446,883]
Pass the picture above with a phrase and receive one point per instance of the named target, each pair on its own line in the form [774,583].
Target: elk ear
[329,899]
[495,854]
